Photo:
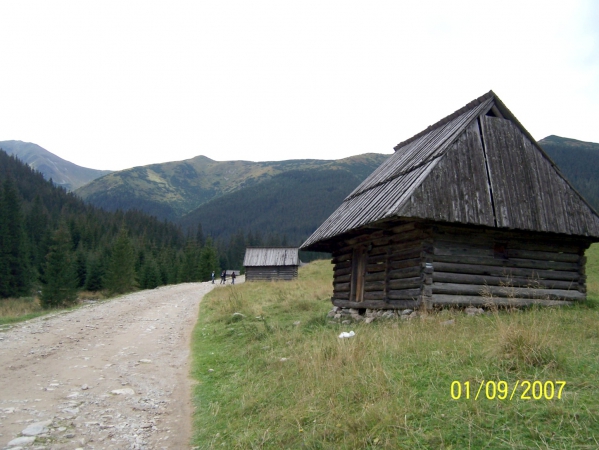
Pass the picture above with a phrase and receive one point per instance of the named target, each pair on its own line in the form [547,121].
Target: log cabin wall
[270,273]
[485,266]
[384,269]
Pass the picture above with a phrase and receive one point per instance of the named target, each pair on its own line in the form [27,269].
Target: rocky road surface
[109,375]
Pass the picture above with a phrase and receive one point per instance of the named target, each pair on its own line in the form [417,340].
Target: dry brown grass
[15,309]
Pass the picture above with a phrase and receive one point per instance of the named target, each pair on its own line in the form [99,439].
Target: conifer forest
[54,245]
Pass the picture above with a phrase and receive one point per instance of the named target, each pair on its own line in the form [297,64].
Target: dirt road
[110,375]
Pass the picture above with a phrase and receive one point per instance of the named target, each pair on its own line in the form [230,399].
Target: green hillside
[291,204]
[173,189]
[63,173]
[579,162]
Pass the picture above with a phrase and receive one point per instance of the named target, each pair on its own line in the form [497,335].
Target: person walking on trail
[213,277]
[223,277]
[233,277]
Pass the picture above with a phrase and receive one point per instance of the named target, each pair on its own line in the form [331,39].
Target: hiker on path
[213,277]
[223,277]
[233,277]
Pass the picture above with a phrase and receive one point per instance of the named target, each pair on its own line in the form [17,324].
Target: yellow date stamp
[502,390]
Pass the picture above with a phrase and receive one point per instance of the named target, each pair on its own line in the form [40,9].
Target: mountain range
[288,198]
[62,172]
[173,189]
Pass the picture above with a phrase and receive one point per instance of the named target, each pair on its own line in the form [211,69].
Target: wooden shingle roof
[477,166]
[271,256]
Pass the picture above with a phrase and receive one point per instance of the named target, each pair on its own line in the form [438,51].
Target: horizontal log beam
[407,237]
[500,291]
[343,278]
[465,300]
[342,265]
[513,262]
[406,283]
[461,278]
[374,286]
[543,255]
[414,262]
[408,272]
[341,287]
[370,268]
[505,271]
[375,276]
[338,272]
[376,295]
[376,304]
[403,294]
[341,258]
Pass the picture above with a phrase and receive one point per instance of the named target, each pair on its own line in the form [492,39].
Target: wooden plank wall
[270,273]
[487,266]
[394,269]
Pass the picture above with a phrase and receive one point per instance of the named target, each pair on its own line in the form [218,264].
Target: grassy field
[19,309]
[14,310]
[276,375]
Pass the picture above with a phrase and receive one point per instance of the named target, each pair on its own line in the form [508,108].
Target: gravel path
[110,375]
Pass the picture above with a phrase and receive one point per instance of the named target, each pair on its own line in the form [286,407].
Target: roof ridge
[448,118]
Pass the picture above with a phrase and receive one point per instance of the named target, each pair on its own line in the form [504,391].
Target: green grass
[389,386]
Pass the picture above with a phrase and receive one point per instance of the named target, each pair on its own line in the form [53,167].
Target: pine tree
[59,287]
[120,277]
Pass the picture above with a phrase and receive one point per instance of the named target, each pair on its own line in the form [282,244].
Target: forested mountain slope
[173,189]
[579,162]
[63,173]
[51,237]
[291,205]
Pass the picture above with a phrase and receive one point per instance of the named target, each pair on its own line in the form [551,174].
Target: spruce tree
[80,267]
[189,268]
[120,277]
[208,261]
[95,274]
[59,286]
[150,277]
[15,276]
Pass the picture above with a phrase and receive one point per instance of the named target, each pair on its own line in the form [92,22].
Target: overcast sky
[116,84]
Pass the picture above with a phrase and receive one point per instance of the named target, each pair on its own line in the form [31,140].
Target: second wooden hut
[271,263]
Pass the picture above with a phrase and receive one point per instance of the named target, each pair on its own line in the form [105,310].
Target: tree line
[54,245]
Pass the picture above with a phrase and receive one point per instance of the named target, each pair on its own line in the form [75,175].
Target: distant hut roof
[467,168]
[271,256]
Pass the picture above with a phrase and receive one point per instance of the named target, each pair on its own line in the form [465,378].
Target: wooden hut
[471,211]
[271,263]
